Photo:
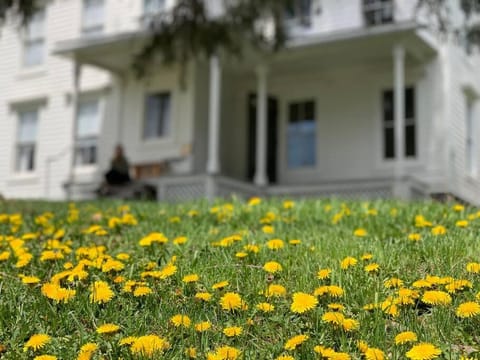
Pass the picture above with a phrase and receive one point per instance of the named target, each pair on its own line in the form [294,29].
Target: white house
[364,101]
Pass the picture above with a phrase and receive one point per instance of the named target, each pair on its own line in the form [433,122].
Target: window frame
[301,14]
[167,125]
[96,28]
[378,9]
[29,40]
[390,124]
[20,145]
[81,140]
[301,103]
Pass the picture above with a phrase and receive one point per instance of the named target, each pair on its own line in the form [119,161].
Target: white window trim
[377,6]
[96,29]
[26,174]
[159,140]
[86,97]
[26,40]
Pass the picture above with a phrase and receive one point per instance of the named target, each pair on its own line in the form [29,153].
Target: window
[26,139]
[157,115]
[34,44]
[389,125]
[471,145]
[152,7]
[377,12]
[93,17]
[301,143]
[88,128]
[299,12]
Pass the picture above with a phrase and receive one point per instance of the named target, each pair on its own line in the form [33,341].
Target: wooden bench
[149,170]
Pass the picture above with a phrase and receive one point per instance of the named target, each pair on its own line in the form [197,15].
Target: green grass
[25,311]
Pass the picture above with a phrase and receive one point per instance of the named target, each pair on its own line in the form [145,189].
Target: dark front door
[272,126]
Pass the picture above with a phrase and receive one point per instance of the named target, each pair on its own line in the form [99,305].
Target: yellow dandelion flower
[373,267]
[374,354]
[303,302]
[55,292]
[231,301]
[275,290]
[336,307]
[129,340]
[30,280]
[203,296]
[436,297]
[295,341]
[191,278]
[220,285]
[405,337]
[241,254]
[45,357]
[142,291]
[252,248]
[227,353]
[362,346]
[180,240]
[149,346]
[423,351]
[36,342]
[333,317]
[414,237]
[284,357]
[180,320]
[272,267]
[348,262]
[254,201]
[323,274]
[360,232]
[439,230]
[468,309]
[232,331]
[366,257]
[393,283]
[101,292]
[191,352]
[4,255]
[350,325]
[265,307]
[108,328]
[275,244]
[268,229]
[123,256]
[461,223]
[473,267]
[203,326]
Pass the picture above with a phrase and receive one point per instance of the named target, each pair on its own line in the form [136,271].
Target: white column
[77,69]
[399,117]
[260,178]
[213,160]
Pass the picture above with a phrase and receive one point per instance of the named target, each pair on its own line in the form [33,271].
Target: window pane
[25,158]
[410,145]
[294,113]
[157,116]
[33,53]
[88,119]
[27,127]
[153,6]
[389,144]
[86,152]
[36,25]
[409,103]
[387,105]
[301,135]
[93,14]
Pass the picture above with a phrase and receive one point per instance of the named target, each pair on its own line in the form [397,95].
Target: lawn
[264,279]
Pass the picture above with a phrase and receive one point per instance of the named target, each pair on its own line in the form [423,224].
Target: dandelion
[29,280]
[405,337]
[275,244]
[265,307]
[468,309]
[360,232]
[333,317]
[190,278]
[101,292]
[350,325]
[473,267]
[227,353]
[374,354]
[86,351]
[414,237]
[180,240]
[393,283]
[275,290]
[180,320]
[367,256]
[149,346]
[272,267]
[254,201]
[439,230]
[57,293]
[285,357]
[324,274]
[36,342]
[203,326]
[220,285]
[45,357]
[233,331]
[295,341]
[461,223]
[108,328]
[348,262]
[191,352]
[231,301]
[303,302]
[435,297]
[423,351]
[204,296]
[371,268]
[142,291]
[268,229]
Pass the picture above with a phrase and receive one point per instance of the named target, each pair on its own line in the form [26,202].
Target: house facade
[365,100]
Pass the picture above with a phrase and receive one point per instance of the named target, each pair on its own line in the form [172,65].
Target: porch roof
[115,52]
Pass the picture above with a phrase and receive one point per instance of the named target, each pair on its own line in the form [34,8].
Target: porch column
[399,190]
[77,70]
[260,178]
[213,160]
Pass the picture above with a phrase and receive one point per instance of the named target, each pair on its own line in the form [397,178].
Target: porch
[228,125]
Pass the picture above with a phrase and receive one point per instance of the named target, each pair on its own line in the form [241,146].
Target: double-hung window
[299,12]
[88,129]
[389,124]
[93,17]
[377,12]
[26,140]
[301,130]
[157,116]
[34,43]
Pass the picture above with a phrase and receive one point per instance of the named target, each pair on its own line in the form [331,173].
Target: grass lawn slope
[241,280]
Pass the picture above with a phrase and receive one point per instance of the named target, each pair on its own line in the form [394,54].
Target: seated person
[119,168]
